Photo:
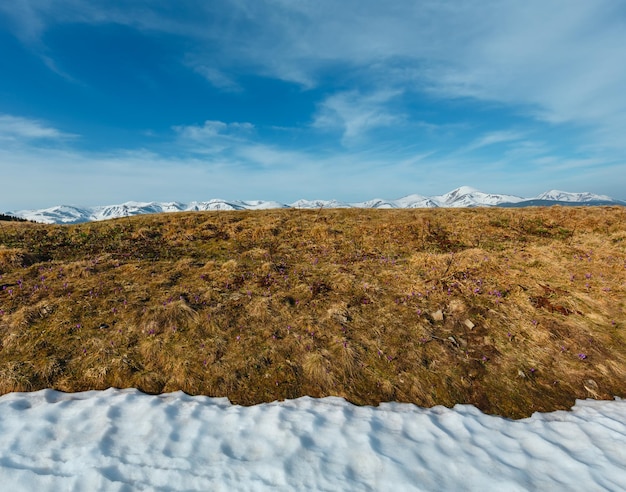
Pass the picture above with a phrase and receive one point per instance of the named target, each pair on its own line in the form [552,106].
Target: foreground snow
[126,440]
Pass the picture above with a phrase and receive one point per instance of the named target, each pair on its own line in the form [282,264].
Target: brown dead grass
[514,311]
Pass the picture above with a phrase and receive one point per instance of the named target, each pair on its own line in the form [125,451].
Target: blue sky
[286,99]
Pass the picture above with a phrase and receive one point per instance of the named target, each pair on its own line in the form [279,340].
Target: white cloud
[212,137]
[560,62]
[218,78]
[15,128]
[494,138]
[563,60]
[27,22]
[355,114]
[212,129]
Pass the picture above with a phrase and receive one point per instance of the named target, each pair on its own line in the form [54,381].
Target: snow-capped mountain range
[464,196]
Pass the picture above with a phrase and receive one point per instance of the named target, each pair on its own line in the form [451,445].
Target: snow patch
[126,440]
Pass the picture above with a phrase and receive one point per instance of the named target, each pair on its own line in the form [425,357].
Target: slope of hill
[512,310]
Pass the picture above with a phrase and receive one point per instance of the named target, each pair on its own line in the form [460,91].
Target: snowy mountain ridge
[464,196]
[564,196]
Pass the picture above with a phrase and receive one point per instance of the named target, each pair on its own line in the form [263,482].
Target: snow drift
[122,440]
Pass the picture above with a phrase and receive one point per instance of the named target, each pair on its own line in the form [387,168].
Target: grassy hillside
[512,310]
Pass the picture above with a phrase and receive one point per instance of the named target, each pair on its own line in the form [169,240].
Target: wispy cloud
[354,114]
[561,61]
[558,61]
[15,128]
[218,78]
[212,137]
[494,138]
[368,68]
[211,129]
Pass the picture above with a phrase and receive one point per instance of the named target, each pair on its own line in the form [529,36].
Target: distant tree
[10,218]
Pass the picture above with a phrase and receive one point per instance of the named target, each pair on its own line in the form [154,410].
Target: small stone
[339,315]
[456,306]
[469,324]
[592,387]
[437,315]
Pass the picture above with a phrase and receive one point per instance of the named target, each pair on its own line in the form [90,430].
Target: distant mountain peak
[565,196]
[463,190]
[463,196]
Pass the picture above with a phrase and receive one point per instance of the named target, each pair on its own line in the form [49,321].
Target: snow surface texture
[464,196]
[125,440]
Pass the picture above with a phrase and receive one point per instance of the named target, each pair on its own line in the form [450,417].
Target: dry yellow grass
[513,310]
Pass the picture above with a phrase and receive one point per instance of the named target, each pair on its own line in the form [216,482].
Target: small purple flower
[582,356]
